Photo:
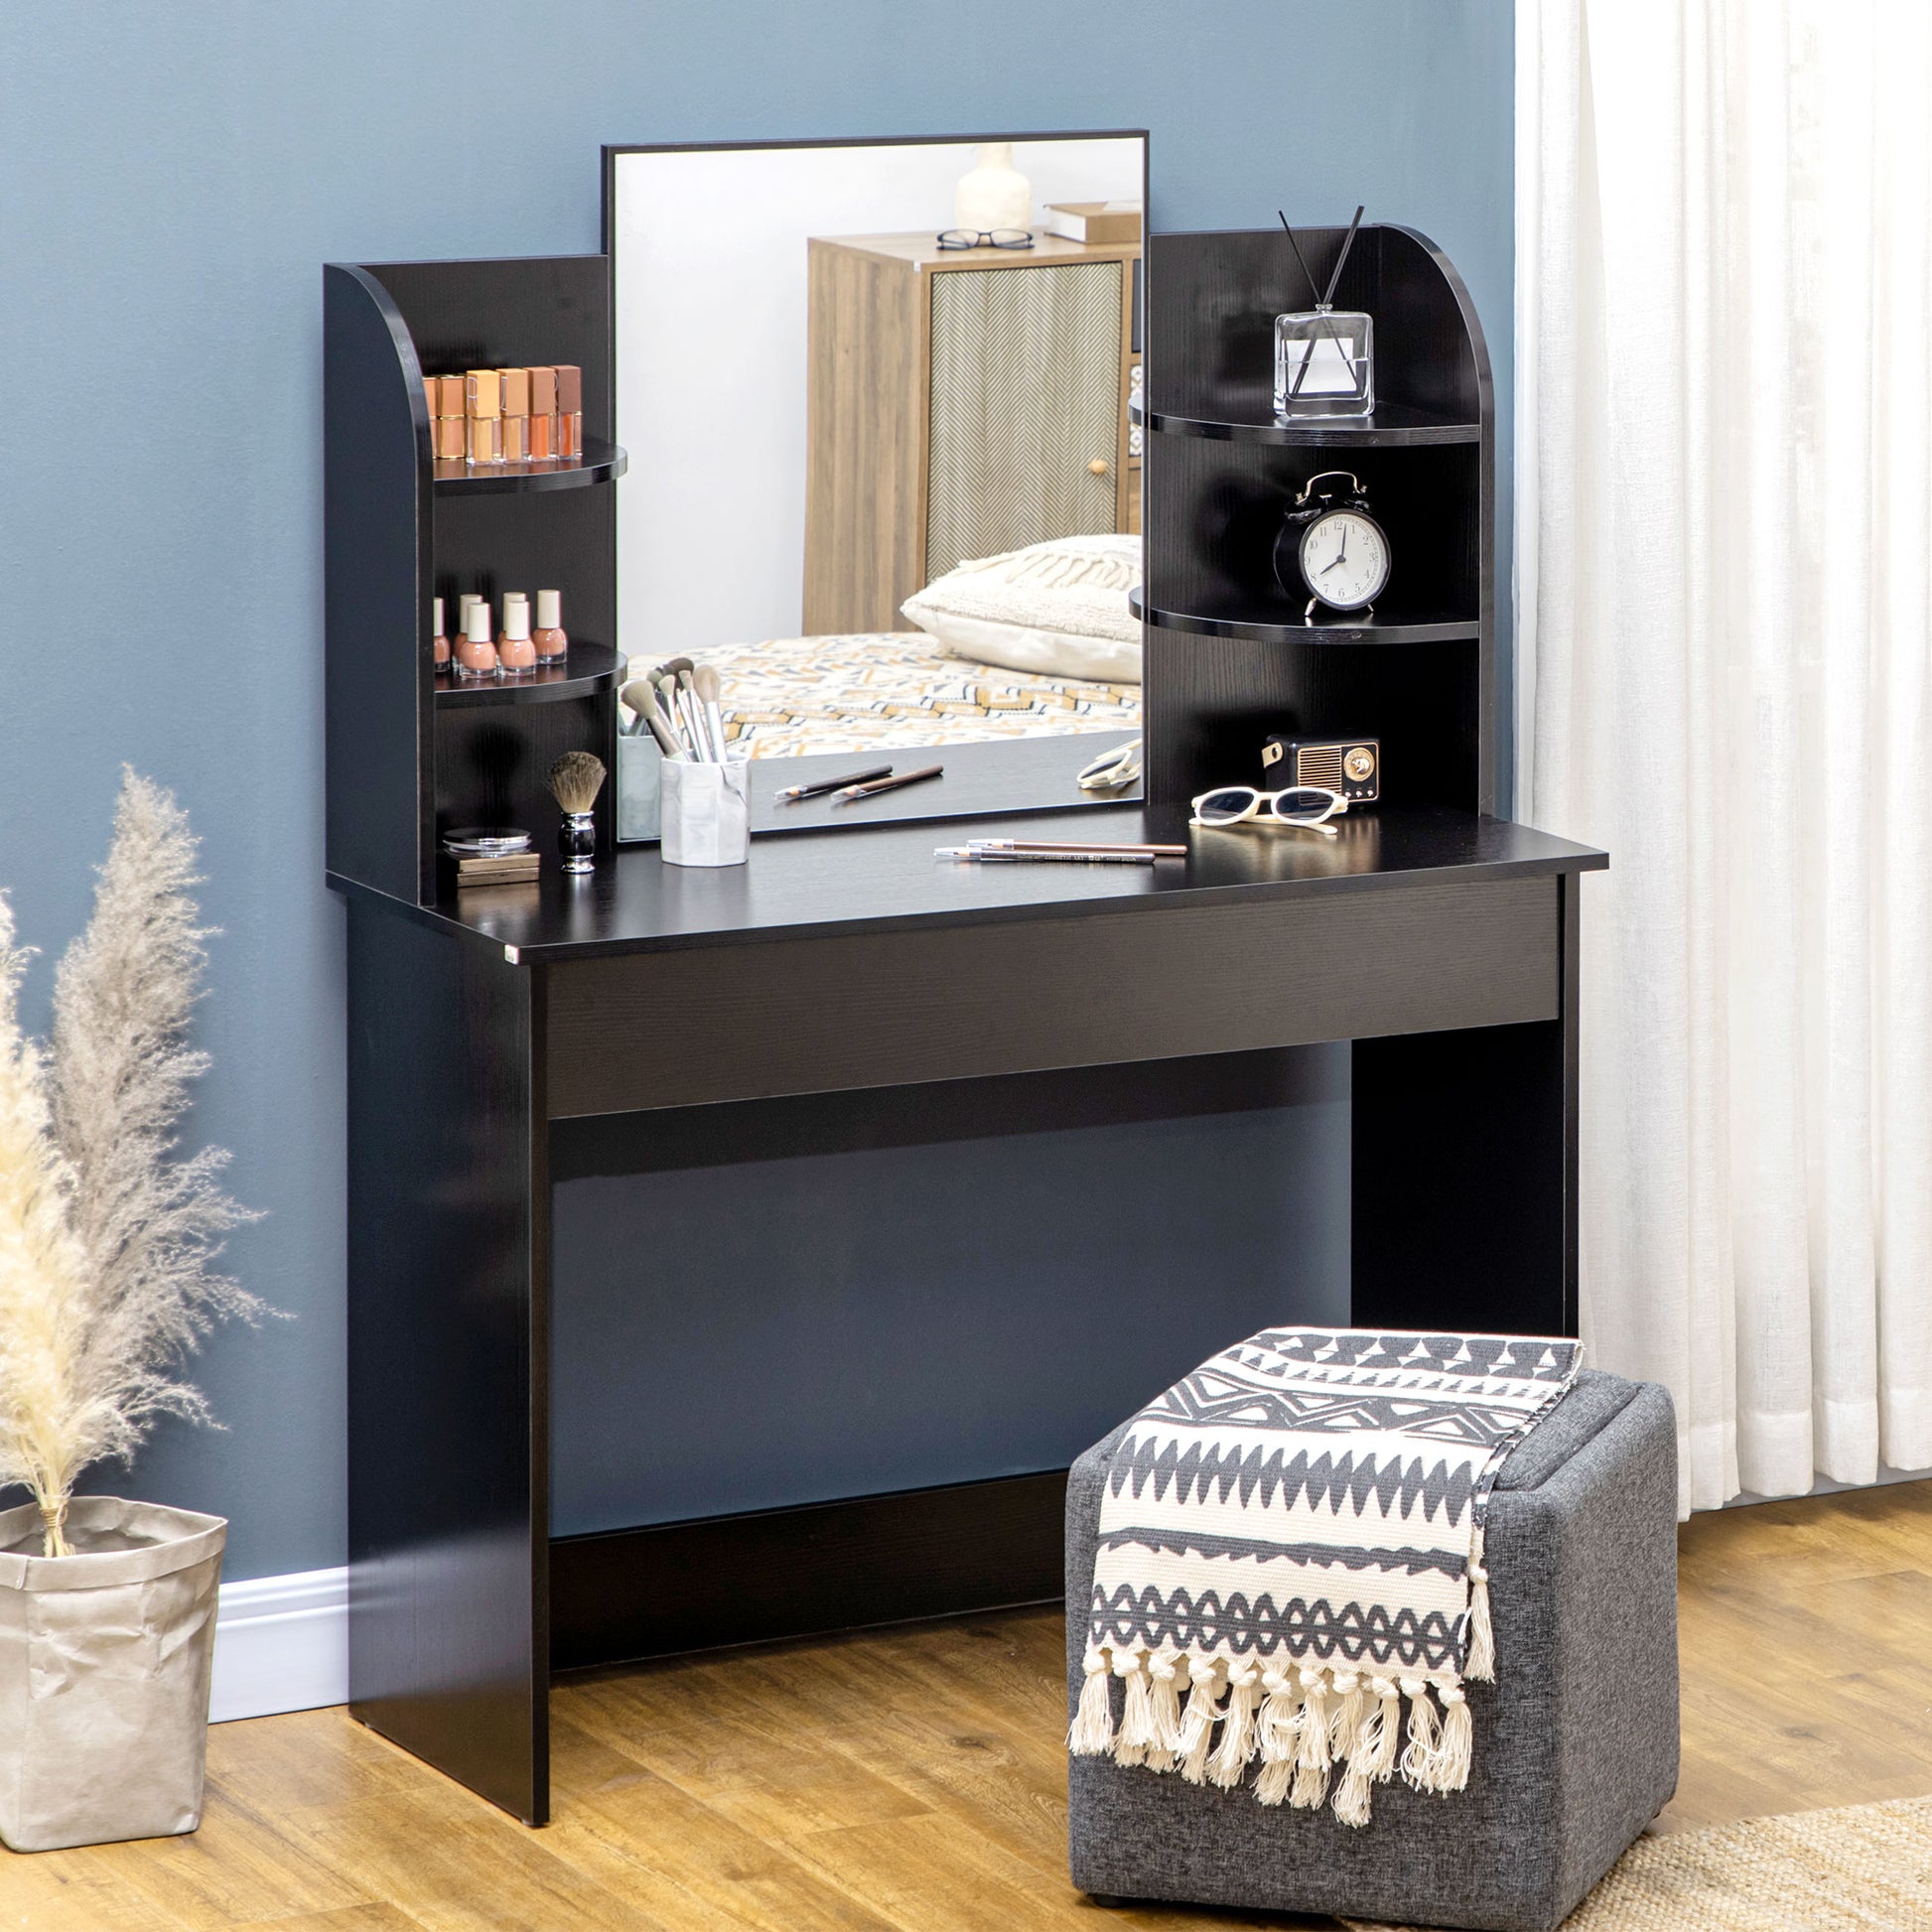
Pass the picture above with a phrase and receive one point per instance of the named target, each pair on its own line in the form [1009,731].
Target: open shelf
[1393,426]
[1274,624]
[589,668]
[601,462]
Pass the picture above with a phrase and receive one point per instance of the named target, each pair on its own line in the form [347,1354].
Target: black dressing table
[1442,942]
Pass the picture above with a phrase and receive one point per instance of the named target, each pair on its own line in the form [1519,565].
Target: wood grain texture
[871,373]
[888,1008]
[913,1780]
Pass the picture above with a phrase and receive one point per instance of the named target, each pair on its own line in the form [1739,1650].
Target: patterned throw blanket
[1293,1534]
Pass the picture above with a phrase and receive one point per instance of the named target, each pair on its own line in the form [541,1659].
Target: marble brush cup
[705,812]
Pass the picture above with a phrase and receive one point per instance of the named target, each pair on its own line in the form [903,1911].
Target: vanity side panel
[447,1376]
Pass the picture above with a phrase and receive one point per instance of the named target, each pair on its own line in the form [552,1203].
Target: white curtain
[1725,518]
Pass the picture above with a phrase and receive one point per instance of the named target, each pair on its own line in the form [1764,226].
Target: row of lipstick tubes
[520,647]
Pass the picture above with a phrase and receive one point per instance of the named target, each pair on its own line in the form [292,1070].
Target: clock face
[1345,559]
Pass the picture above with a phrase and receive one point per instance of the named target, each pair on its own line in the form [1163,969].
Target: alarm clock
[1331,548]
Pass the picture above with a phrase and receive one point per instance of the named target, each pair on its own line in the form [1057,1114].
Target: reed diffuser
[575,780]
[1324,358]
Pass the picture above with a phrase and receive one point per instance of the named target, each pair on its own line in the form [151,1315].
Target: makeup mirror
[883,478]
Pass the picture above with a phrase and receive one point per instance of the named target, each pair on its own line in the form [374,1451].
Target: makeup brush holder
[706,811]
[640,778]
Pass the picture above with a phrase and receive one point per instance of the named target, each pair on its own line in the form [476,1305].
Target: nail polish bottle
[483,396]
[439,644]
[543,415]
[519,655]
[570,412]
[516,385]
[476,655]
[552,645]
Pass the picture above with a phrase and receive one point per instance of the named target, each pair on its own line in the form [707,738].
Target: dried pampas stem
[107,1239]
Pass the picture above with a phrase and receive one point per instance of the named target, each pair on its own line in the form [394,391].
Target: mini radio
[1350,765]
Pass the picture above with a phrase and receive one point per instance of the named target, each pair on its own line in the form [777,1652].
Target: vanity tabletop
[858,879]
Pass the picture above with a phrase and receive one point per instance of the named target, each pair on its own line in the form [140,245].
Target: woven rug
[1293,1535]
[1863,1868]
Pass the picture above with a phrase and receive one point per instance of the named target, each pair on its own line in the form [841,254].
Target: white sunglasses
[1304,806]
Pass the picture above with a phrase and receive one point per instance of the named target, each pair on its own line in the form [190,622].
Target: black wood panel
[789,1572]
[886,877]
[447,1376]
[375,574]
[1459,1206]
[1465,1201]
[487,764]
[1213,508]
[890,1007]
[1420,700]
[676,1139]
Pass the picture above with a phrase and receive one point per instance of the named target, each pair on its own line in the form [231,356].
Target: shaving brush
[575,780]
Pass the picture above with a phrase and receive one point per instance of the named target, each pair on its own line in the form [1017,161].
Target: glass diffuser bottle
[1324,357]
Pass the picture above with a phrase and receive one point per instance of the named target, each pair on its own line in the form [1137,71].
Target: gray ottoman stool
[1576,1740]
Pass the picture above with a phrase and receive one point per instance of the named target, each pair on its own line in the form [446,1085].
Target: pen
[893,784]
[980,856]
[1077,844]
[832,784]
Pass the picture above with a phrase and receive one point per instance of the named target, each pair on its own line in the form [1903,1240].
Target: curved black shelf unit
[601,462]
[1221,671]
[589,670]
[410,754]
[1395,426]
[1339,629]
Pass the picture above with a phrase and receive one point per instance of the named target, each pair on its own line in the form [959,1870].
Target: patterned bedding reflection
[852,693]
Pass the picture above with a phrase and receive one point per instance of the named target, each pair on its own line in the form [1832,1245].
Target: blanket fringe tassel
[1481,1664]
[1319,1731]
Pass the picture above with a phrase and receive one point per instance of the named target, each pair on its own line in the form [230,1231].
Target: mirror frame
[990,778]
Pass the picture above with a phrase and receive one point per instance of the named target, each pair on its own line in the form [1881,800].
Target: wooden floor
[914,1778]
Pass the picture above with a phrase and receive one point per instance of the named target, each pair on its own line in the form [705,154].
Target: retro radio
[1350,765]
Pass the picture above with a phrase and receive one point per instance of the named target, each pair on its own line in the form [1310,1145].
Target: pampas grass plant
[108,1236]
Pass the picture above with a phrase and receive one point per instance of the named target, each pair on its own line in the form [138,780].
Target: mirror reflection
[876,397]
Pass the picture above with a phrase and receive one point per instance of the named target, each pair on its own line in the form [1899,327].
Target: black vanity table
[1438,939]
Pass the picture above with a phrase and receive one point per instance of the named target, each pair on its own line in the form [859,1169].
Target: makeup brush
[643,699]
[708,687]
[575,780]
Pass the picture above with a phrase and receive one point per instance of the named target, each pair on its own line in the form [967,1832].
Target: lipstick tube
[570,412]
[483,417]
[543,415]
[516,389]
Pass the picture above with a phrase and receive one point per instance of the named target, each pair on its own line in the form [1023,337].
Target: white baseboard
[281,1644]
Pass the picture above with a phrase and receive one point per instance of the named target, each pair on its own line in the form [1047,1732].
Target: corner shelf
[588,670]
[601,462]
[1274,629]
[1393,426]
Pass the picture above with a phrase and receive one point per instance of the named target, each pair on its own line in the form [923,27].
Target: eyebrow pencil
[818,785]
[1079,845]
[979,856]
[893,784]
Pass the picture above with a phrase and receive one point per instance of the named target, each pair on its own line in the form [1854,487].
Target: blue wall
[172,177]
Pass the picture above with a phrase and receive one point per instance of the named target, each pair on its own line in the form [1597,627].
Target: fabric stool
[1576,1738]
